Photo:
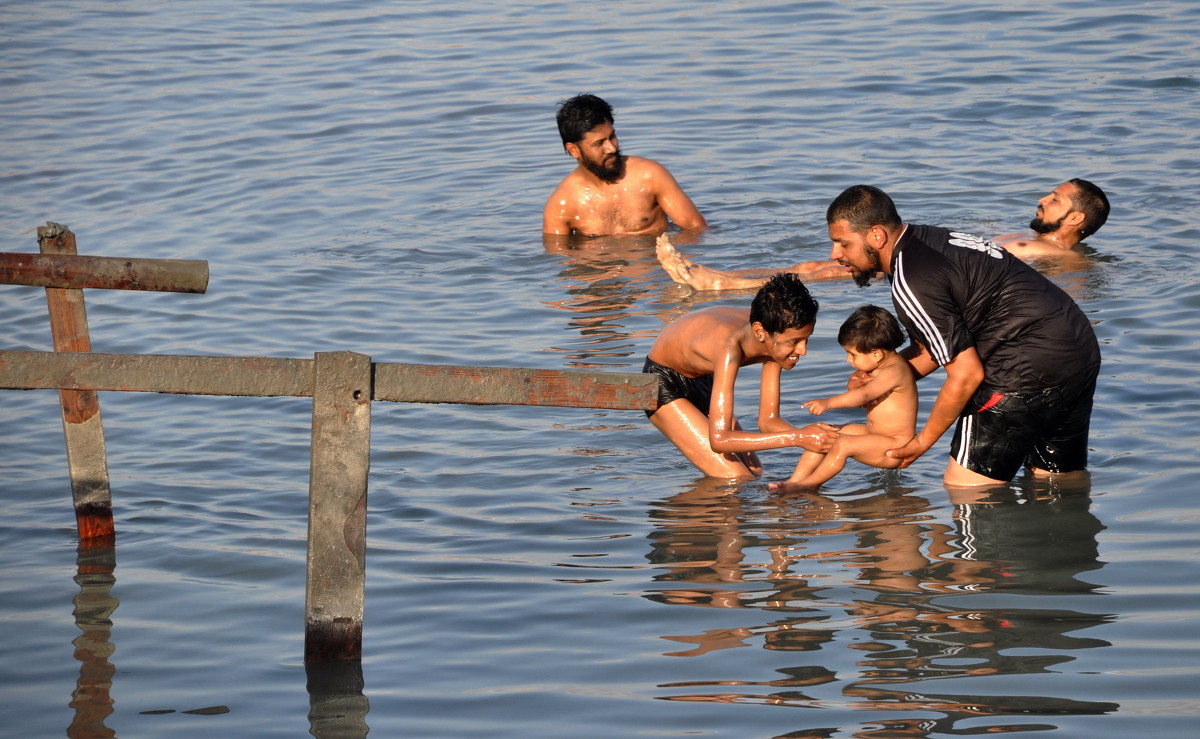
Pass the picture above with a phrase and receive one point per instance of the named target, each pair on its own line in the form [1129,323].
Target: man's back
[955,291]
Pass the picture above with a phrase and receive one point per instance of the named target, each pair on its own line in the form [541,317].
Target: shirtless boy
[1070,213]
[697,358]
[609,192]
[883,383]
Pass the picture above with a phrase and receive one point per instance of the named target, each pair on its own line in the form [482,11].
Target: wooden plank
[111,273]
[337,507]
[423,383]
[157,373]
[266,376]
[86,456]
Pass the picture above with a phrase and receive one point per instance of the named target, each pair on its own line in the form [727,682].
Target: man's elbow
[969,378]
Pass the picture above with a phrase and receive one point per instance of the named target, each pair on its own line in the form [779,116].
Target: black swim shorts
[673,386]
[1047,429]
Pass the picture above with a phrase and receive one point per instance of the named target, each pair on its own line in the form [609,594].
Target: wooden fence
[342,386]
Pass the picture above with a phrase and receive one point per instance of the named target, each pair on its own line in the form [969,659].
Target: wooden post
[82,427]
[337,507]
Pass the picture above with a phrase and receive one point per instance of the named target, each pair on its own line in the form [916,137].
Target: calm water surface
[369,176]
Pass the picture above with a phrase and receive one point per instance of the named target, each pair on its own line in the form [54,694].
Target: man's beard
[608,174]
[862,279]
[1038,226]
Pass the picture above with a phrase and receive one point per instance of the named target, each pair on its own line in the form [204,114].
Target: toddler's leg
[808,462]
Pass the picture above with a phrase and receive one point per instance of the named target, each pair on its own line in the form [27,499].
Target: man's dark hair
[863,206]
[581,114]
[1093,203]
[869,328]
[783,303]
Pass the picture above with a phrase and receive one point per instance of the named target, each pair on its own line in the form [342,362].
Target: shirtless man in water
[608,192]
[1066,216]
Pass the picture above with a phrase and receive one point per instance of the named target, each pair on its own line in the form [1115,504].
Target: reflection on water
[92,700]
[605,278]
[337,706]
[882,595]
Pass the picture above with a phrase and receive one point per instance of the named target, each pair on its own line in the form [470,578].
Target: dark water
[369,176]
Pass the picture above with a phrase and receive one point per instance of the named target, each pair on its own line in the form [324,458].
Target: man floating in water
[1066,216]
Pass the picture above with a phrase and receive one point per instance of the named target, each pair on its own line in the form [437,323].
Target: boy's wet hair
[581,114]
[869,328]
[783,303]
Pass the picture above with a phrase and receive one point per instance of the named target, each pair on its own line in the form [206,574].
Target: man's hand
[909,453]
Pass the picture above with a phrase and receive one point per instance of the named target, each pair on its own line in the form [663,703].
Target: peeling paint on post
[84,432]
[337,507]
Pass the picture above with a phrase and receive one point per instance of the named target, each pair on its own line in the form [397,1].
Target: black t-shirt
[953,291]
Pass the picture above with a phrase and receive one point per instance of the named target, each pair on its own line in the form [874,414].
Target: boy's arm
[775,434]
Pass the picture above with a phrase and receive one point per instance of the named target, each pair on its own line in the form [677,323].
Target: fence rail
[342,386]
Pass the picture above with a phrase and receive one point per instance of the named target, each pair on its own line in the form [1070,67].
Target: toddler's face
[863,361]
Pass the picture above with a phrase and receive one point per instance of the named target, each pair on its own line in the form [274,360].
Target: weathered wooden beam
[337,507]
[425,383]
[157,373]
[266,376]
[86,456]
[110,273]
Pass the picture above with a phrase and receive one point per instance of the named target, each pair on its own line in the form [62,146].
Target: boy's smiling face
[786,347]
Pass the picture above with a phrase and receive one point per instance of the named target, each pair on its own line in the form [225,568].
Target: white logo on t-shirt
[972,241]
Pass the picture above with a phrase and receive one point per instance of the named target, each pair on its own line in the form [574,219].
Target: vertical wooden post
[337,507]
[86,454]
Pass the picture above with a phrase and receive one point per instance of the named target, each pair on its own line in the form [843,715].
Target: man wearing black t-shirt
[1020,356]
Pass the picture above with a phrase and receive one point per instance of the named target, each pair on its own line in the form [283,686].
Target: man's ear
[759,332]
[1075,219]
[573,150]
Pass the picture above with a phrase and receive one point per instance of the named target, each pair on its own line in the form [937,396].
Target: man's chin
[608,174]
[1040,227]
[862,279]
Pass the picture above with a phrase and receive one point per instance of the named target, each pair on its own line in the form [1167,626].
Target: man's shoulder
[566,189]
[642,167]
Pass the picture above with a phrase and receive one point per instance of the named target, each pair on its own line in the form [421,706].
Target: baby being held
[883,383]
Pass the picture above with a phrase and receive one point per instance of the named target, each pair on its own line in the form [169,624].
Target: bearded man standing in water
[608,192]
[1020,357]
